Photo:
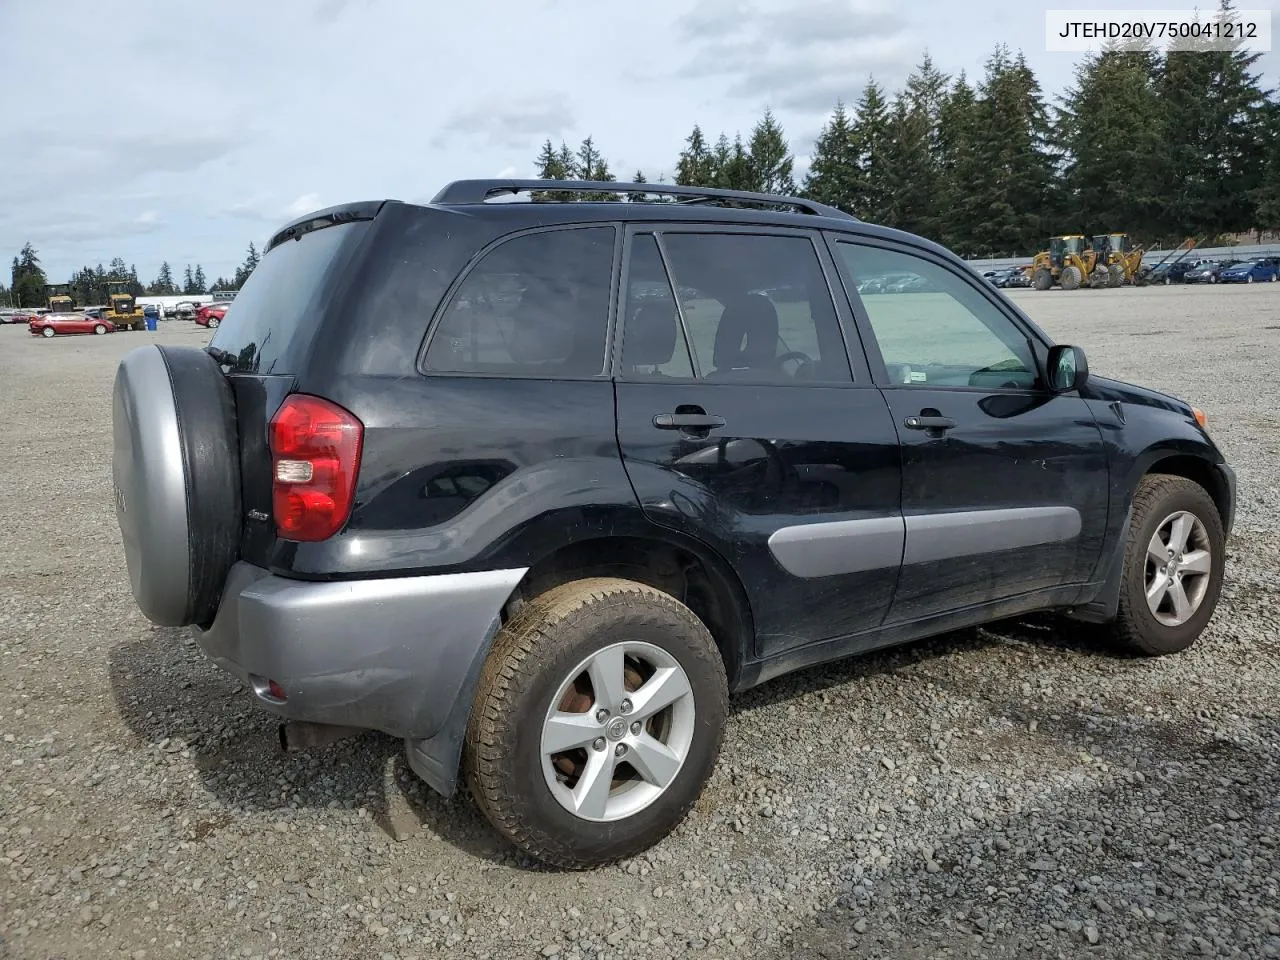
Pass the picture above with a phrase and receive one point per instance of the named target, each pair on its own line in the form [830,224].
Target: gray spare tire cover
[176,475]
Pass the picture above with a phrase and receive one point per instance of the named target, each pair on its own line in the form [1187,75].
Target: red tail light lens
[315,454]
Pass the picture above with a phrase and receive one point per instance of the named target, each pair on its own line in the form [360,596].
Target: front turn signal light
[1200,417]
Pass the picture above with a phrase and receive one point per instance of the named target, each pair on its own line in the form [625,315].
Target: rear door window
[537,305]
[270,324]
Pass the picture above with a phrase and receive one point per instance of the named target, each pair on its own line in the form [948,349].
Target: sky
[180,130]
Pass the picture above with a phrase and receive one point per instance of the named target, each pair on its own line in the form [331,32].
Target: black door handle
[928,423]
[687,421]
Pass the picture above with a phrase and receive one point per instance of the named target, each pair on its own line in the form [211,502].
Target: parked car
[186,310]
[1208,272]
[211,314]
[14,316]
[58,324]
[1251,271]
[444,477]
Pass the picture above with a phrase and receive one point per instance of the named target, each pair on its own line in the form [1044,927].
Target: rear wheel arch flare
[692,573]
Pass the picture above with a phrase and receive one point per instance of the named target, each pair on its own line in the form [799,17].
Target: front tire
[597,722]
[48,332]
[99,329]
[213,323]
[1172,566]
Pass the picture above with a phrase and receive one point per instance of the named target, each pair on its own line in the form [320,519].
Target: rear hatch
[269,333]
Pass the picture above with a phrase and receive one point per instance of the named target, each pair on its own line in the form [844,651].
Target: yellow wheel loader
[124,311]
[1070,262]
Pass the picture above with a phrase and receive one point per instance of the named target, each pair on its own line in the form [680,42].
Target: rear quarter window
[536,305]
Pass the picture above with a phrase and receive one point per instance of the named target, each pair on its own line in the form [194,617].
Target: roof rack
[478,191]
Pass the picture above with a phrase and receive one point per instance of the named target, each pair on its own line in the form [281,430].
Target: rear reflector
[315,446]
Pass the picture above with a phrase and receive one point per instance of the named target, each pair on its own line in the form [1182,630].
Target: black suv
[536,485]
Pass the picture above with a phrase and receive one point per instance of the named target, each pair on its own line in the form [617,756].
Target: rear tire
[539,687]
[49,332]
[99,329]
[1070,278]
[1042,279]
[1175,555]
[213,323]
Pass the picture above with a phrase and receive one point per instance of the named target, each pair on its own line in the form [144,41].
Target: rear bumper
[391,654]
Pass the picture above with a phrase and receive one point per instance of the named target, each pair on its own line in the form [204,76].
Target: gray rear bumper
[389,654]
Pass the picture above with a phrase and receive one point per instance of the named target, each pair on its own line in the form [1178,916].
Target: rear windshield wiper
[225,357]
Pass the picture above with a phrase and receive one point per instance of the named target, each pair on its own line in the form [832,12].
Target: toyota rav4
[535,486]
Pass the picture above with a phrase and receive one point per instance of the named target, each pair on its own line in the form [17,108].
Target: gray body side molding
[393,654]
[875,543]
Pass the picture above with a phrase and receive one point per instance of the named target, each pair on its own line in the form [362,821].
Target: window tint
[652,344]
[273,319]
[933,328]
[536,306]
[756,307]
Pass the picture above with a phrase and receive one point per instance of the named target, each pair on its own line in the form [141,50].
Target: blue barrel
[151,321]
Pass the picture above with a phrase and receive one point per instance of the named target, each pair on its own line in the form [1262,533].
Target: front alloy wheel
[1179,561]
[1173,563]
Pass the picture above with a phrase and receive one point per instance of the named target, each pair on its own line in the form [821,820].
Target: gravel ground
[1013,791]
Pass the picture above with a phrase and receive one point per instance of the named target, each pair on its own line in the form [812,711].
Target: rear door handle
[687,421]
[928,423]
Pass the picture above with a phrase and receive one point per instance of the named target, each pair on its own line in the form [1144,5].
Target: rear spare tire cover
[176,475]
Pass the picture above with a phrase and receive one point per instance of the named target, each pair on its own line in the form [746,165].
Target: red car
[211,314]
[52,324]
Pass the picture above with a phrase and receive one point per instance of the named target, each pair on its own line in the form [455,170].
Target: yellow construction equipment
[124,311]
[1119,257]
[1069,262]
[59,295]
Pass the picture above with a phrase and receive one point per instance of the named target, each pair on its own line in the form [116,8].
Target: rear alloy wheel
[48,332]
[1172,566]
[99,329]
[598,719]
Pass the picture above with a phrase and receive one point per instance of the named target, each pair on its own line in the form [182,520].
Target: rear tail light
[315,456]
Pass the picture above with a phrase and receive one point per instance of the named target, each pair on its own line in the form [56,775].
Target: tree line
[92,285]
[1162,146]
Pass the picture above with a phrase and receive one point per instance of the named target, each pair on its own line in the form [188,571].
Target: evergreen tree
[769,158]
[200,284]
[553,165]
[637,197]
[118,270]
[835,177]
[960,168]
[1014,199]
[870,144]
[163,285]
[696,166]
[27,279]
[592,166]
[908,171]
[1111,131]
[188,282]
[1215,154]
[731,165]
[244,271]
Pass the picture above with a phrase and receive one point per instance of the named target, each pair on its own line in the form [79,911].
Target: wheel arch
[684,568]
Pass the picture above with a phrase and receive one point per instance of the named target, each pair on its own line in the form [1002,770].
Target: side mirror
[1067,368]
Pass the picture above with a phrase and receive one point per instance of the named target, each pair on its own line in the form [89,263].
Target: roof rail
[478,191]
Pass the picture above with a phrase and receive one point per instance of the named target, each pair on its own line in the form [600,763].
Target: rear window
[270,323]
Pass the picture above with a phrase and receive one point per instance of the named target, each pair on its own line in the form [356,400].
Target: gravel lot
[1019,791]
